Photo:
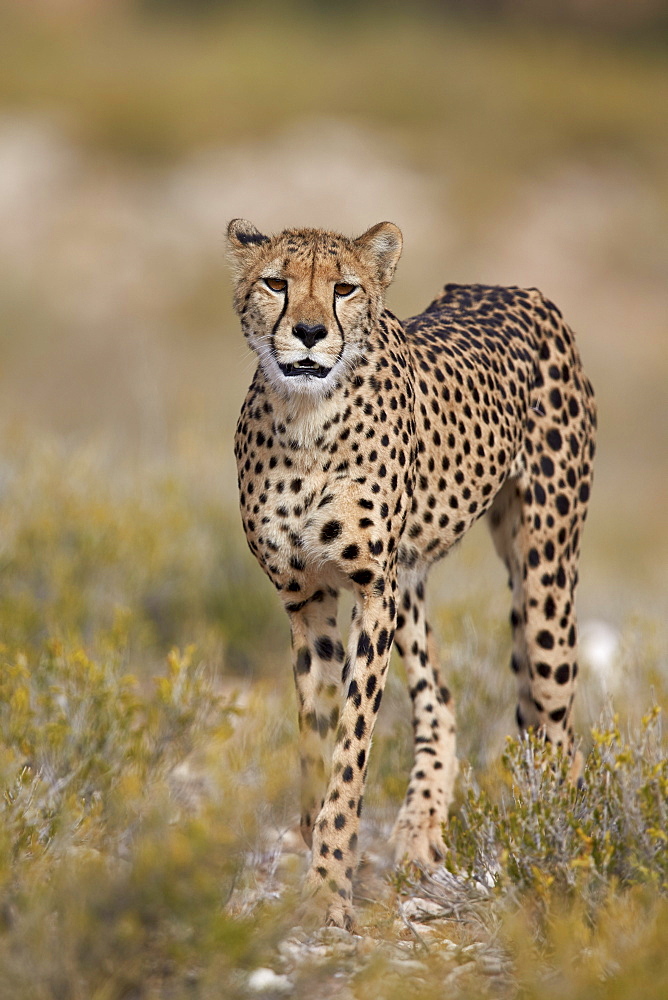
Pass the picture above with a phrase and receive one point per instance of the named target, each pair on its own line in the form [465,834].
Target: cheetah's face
[307,299]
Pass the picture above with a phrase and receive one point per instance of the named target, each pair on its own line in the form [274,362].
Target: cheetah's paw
[318,895]
[415,840]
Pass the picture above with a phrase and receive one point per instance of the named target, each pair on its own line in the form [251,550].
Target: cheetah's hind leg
[540,551]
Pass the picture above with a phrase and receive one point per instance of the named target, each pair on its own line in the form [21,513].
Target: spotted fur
[366,447]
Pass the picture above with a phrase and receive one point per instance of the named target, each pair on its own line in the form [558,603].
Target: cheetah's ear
[383,243]
[242,238]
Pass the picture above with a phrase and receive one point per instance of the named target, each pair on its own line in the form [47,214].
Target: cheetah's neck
[305,425]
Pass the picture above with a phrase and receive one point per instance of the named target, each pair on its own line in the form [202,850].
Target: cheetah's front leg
[317,658]
[336,828]
[417,834]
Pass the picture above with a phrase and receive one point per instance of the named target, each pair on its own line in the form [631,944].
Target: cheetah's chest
[326,507]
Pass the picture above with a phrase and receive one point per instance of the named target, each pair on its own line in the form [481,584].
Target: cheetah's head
[308,299]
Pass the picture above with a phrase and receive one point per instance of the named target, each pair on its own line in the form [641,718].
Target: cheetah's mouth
[304,367]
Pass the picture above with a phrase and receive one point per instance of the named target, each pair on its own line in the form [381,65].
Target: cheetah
[366,447]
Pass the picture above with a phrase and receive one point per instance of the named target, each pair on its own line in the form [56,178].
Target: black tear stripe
[343,336]
[338,323]
[276,326]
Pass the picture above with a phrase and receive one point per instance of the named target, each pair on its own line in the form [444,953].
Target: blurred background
[513,141]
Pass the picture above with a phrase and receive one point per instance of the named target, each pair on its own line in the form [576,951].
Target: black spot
[324,647]
[350,552]
[354,693]
[330,531]
[382,642]
[563,504]
[363,644]
[545,639]
[546,465]
[553,437]
[562,674]
[303,664]
[362,577]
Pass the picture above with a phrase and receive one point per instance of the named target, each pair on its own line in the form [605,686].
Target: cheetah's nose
[309,335]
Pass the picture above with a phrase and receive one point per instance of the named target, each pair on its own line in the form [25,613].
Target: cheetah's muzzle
[477,407]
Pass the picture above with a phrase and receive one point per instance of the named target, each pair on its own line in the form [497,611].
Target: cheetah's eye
[275,284]
[343,289]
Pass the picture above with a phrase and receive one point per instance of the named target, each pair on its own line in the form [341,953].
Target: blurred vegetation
[152,87]
[140,566]
[148,767]
[139,854]
[116,867]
